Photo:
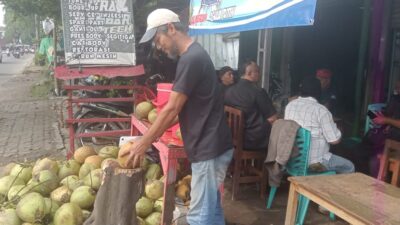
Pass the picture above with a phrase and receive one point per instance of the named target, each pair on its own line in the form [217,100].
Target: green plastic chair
[298,166]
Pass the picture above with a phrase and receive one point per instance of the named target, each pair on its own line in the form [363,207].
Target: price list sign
[98,32]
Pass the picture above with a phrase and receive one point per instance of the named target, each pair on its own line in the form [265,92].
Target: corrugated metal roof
[222,48]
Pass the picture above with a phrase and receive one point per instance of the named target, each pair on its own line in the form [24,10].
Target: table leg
[292,205]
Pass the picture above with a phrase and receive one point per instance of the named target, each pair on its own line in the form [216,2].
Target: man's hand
[379,119]
[136,152]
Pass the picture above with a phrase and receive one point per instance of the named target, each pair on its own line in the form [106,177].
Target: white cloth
[316,118]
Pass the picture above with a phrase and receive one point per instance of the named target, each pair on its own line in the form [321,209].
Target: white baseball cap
[156,19]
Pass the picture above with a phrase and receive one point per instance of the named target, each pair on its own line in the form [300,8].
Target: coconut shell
[123,160]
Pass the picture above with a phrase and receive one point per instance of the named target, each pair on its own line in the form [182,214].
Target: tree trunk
[117,197]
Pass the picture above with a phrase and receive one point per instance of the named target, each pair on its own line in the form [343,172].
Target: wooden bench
[356,198]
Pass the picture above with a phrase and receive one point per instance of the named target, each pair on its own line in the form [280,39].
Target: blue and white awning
[222,16]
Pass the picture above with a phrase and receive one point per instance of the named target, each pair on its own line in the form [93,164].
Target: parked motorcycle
[105,109]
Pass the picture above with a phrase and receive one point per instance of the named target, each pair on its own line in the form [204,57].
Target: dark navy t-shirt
[204,127]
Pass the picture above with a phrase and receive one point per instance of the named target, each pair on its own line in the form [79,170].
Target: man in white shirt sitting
[316,118]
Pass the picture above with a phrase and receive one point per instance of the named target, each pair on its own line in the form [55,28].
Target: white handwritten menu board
[98,32]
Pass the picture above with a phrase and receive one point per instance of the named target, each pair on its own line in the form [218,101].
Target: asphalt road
[13,66]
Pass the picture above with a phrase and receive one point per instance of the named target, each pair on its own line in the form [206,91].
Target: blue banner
[222,16]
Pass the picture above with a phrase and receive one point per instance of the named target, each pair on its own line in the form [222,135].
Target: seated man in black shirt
[256,105]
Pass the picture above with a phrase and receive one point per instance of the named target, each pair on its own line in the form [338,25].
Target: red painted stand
[170,150]
[65,73]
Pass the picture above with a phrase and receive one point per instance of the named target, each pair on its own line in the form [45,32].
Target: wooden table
[356,198]
[169,153]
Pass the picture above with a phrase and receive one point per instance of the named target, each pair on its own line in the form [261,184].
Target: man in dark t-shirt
[196,97]
[256,105]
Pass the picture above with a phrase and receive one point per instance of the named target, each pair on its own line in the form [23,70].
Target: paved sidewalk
[29,127]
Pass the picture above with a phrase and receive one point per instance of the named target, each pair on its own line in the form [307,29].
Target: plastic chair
[377,107]
[298,166]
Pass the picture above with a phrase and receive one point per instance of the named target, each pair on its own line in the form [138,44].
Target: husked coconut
[122,160]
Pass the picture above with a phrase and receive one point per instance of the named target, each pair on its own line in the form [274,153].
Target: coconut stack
[51,191]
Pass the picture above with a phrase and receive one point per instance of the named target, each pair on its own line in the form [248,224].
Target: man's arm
[164,120]
[382,120]
[329,128]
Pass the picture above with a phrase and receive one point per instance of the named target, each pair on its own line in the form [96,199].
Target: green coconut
[152,115]
[154,189]
[85,169]
[61,194]
[31,208]
[44,182]
[70,167]
[16,192]
[7,182]
[158,205]
[153,172]
[143,109]
[153,219]
[93,179]
[144,207]
[86,214]
[5,171]
[9,217]
[84,197]
[140,221]
[22,171]
[72,182]
[45,164]
[68,214]
[109,152]
[51,207]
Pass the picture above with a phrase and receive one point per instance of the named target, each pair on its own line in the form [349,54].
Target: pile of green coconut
[55,192]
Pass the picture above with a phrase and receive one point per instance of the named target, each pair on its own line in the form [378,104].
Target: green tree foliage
[42,8]
[18,27]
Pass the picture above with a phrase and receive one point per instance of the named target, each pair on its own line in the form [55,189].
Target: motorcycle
[16,54]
